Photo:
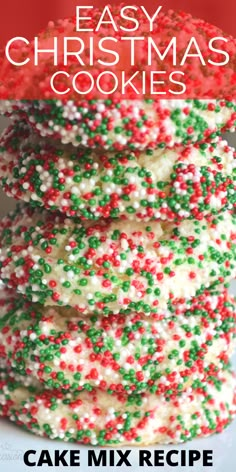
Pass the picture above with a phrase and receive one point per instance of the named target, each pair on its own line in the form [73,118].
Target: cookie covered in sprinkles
[162,354]
[118,119]
[126,124]
[184,182]
[109,266]
[98,418]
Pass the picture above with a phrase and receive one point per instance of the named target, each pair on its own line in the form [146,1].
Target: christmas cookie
[123,354]
[98,418]
[111,265]
[126,124]
[179,58]
[184,182]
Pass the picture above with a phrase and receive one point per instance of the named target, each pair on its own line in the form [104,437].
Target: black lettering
[169,458]
[45,458]
[207,458]
[26,458]
[59,458]
[144,458]
[111,458]
[94,460]
[123,458]
[74,458]
[183,457]
[193,456]
[159,458]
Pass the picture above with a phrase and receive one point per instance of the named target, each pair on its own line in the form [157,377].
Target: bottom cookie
[98,418]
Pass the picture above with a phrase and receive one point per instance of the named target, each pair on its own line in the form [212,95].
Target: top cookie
[117,118]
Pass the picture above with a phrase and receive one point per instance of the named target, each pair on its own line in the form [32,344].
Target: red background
[28,17]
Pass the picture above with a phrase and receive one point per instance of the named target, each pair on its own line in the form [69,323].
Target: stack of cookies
[116,322]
